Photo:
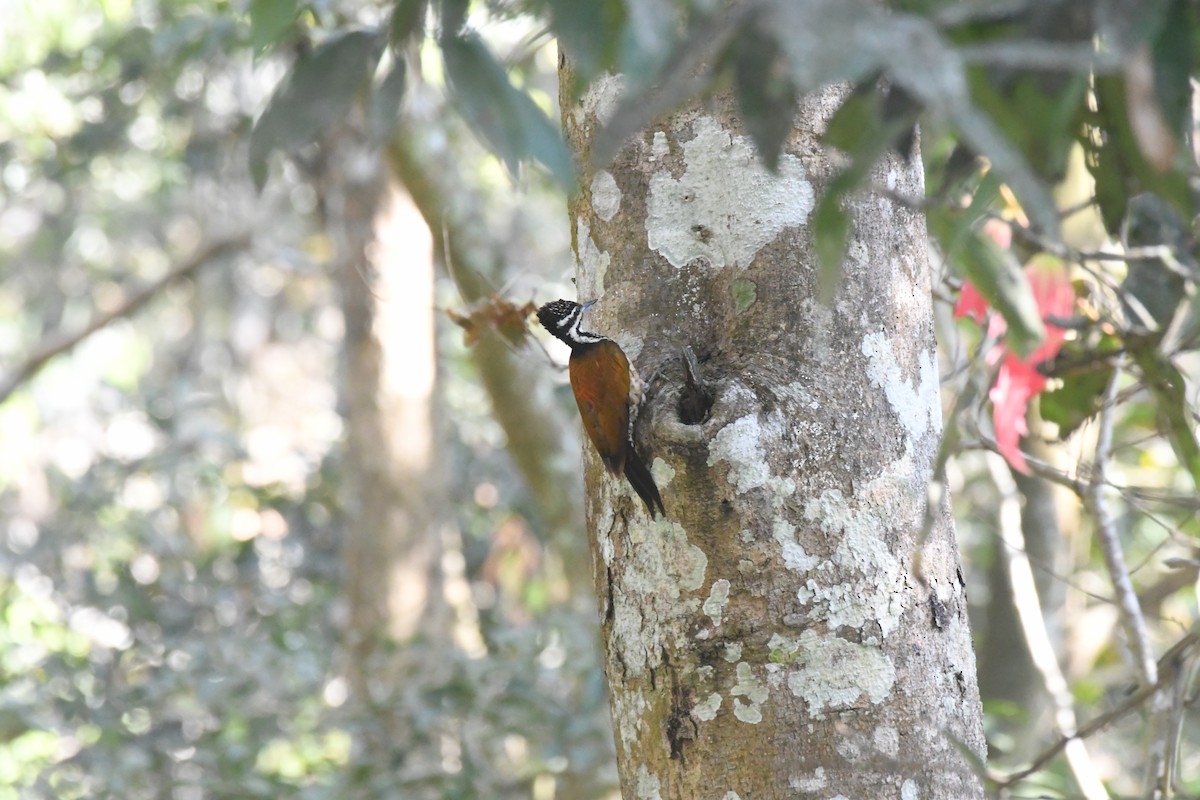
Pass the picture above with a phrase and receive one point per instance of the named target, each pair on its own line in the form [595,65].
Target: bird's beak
[589,304]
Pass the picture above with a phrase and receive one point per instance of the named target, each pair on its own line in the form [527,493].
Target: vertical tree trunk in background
[1006,668]
[391,550]
[785,630]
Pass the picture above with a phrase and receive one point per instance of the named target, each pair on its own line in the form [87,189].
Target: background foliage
[172,483]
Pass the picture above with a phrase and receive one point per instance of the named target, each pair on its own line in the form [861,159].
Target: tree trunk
[788,629]
[391,550]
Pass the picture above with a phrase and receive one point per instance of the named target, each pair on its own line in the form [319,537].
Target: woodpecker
[608,391]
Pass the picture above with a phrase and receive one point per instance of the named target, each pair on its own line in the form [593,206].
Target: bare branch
[1180,658]
[58,343]
[1033,626]
[1106,529]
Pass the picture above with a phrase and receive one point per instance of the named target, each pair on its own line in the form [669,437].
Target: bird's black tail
[643,483]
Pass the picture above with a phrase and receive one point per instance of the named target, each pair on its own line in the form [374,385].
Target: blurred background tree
[275,526]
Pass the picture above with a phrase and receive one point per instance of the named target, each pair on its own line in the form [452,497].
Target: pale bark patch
[726,206]
[738,444]
[857,524]
[915,402]
[592,262]
[606,195]
[718,598]
[809,783]
[909,790]
[648,787]
[601,99]
[755,692]
[837,674]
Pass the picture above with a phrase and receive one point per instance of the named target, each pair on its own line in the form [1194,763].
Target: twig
[1033,627]
[1177,658]
[59,342]
[1106,529]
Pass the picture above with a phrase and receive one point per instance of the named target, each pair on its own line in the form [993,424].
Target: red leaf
[1018,380]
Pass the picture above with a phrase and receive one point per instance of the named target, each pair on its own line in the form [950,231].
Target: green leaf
[1172,414]
[589,32]
[859,114]
[318,93]
[383,108]
[508,120]
[1038,115]
[269,21]
[994,272]
[766,95]
[1174,63]
[1078,398]
[453,17]
[408,19]
[831,231]
[1116,162]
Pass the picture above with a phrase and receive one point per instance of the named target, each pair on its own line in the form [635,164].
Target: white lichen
[738,444]
[648,595]
[755,692]
[601,98]
[811,783]
[660,146]
[887,740]
[718,598]
[794,556]
[915,401]
[606,195]
[870,579]
[662,472]
[909,790]
[836,674]
[726,206]
[733,651]
[707,709]
[648,786]
[628,708]
[592,263]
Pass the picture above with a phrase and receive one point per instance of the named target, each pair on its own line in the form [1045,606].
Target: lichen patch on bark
[859,524]
[915,401]
[718,598]
[593,263]
[648,787]
[601,99]
[835,674]
[702,214]
[606,195]
[738,444]
[751,688]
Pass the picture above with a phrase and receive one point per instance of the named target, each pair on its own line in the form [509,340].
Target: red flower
[1018,380]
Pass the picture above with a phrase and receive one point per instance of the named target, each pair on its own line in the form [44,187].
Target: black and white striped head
[562,318]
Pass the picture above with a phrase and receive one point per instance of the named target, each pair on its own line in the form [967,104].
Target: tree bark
[391,550]
[788,629]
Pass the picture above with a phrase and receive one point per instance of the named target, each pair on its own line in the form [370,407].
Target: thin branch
[1033,627]
[1040,55]
[1173,661]
[1106,529]
[58,343]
